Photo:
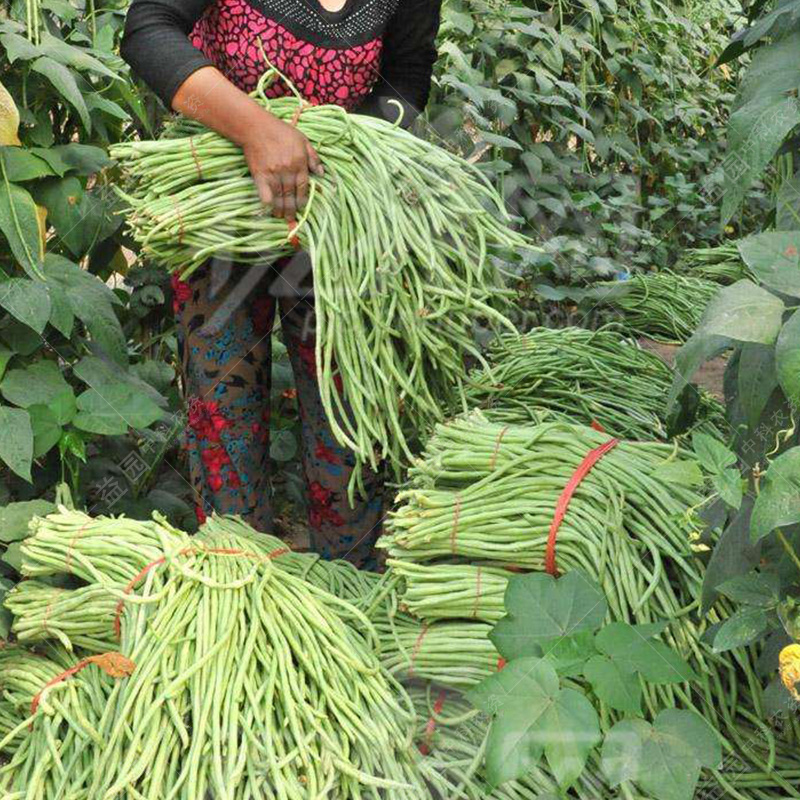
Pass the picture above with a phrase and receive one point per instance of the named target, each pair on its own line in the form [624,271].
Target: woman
[202,57]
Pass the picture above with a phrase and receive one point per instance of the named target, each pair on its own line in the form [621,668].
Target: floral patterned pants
[228,377]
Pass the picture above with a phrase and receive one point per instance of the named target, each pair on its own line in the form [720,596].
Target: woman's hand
[279,156]
[280,160]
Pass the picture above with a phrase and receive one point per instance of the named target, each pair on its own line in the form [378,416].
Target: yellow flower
[789,661]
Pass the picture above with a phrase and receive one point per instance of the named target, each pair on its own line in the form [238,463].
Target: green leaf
[71,56]
[5,356]
[17,47]
[718,460]
[38,383]
[64,82]
[534,715]
[682,473]
[757,380]
[16,441]
[26,300]
[634,646]
[774,258]
[664,758]
[82,159]
[744,627]
[755,589]
[755,132]
[541,609]
[734,554]
[282,445]
[700,348]
[743,312]
[615,683]
[13,556]
[787,359]
[778,501]
[19,223]
[46,429]
[113,409]
[14,518]
[23,165]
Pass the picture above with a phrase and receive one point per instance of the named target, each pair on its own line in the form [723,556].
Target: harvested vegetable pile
[485,496]
[660,305]
[592,377]
[242,680]
[721,264]
[400,233]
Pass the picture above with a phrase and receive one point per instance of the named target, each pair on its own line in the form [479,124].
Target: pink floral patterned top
[358,57]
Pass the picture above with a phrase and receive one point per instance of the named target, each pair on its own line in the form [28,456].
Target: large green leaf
[82,159]
[46,429]
[541,610]
[774,258]
[778,501]
[532,715]
[744,627]
[26,300]
[39,383]
[113,409]
[19,223]
[615,683]
[15,517]
[787,359]
[743,312]
[64,82]
[72,56]
[634,646]
[91,301]
[757,379]
[700,348]
[5,356]
[664,758]
[23,165]
[16,441]
[720,463]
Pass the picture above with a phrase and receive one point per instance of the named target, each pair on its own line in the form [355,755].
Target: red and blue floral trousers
[228,388]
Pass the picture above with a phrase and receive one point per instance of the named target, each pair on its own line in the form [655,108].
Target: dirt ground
[709,376]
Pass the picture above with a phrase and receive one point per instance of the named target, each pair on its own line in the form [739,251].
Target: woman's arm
[408,58]
[157,47]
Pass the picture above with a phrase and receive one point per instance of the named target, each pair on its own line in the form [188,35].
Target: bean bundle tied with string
[233,678]
[401,235]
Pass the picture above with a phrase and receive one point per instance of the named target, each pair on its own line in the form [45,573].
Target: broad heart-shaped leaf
[26,300]
[38,383]
[787,359]
[774,258]
[778,501]
[19,223]
[91,301]
[756,378]
[64,82]
[46,429]
[113,409]
[734,554]
[755,132]
[743,312]
[634,646]
[753,589]
[744,627]
[664,758]
[615,683]
[532,714]
[14,518]
[16,441]
[541,609]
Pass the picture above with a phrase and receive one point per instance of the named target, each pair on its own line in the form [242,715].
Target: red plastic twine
[430,728]
[566,496]
[293,240]
[456,517]
[415,651]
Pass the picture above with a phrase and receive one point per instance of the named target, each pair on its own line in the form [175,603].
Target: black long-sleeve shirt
[359,57]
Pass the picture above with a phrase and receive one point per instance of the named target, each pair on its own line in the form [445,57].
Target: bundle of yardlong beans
[488,493]
[582,376]
[660,305]
[82,617]
[400,233]
[722,264]
[452,591]
[248,682]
